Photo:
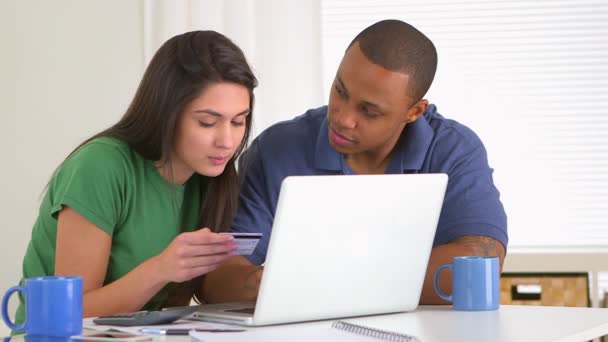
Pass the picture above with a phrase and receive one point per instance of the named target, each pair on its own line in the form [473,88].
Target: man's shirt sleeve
[256,201]
[472,203]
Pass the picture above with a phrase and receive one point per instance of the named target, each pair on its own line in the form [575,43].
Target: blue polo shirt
[432,144]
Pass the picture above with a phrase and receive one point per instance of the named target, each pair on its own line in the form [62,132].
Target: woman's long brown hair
[180,71]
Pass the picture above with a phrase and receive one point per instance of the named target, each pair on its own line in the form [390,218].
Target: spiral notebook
[375,333]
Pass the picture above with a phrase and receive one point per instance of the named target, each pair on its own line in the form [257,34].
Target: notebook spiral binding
[372,332]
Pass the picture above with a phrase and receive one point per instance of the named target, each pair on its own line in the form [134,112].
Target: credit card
[245,242]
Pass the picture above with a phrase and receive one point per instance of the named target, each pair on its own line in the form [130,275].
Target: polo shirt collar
[415,142]
[410,154]
[326,158]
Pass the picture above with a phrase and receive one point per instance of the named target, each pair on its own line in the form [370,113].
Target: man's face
[368,106]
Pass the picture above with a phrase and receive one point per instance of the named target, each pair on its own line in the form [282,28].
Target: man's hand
[236,280]
[254,278]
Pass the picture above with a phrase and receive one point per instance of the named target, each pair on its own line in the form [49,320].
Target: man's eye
[369,113]
[339,91]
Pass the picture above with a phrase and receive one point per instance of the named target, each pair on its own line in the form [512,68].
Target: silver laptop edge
[344,246]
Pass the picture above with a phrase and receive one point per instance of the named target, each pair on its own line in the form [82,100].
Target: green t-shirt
[123,194]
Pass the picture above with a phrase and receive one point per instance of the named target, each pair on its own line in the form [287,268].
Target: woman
[126,208]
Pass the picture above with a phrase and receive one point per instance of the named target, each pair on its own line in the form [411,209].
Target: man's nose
[346,119]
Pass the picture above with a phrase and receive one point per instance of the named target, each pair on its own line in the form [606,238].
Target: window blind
[531,79]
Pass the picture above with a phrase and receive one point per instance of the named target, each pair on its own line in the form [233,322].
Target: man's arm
[237,279]
[462,246]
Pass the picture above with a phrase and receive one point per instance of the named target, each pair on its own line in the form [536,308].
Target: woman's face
[210,130]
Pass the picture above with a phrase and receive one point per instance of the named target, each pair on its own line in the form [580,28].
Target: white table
[441,323]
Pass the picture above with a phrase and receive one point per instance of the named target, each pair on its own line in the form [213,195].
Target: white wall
[67,70]
[280,38]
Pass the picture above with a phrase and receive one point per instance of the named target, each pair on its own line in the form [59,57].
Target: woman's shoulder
[102,157]
[103,147]
[105,152]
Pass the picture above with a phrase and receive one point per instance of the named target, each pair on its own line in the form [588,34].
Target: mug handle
[5,316]
[436,278]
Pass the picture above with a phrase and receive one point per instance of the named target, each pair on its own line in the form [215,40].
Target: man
[377,122]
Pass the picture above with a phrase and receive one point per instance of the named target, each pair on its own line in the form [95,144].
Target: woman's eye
[206,124]
[238,123]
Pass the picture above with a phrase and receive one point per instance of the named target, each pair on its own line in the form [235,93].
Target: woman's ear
[416,111]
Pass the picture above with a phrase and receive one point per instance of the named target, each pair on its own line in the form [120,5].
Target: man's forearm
[235,280]
[466,245]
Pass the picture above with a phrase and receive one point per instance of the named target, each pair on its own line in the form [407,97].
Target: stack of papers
[180,325]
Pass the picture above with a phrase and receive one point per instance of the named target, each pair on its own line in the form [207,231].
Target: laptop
[343,246]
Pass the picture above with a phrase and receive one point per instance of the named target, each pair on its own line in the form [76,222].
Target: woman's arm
[84,249]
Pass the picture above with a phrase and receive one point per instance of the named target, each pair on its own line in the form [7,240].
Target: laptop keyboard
[243,310]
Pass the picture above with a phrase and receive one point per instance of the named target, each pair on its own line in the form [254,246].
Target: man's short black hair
[398,46]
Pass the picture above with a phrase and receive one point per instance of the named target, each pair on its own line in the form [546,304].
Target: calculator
[164,316]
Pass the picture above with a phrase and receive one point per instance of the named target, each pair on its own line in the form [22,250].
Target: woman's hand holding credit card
[245,242]
[192,254]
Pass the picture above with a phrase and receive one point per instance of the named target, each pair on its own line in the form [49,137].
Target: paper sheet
[87,323]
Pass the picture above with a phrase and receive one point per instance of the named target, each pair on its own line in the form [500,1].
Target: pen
[154,331]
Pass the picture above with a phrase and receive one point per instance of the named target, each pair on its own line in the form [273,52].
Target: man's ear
[416,111]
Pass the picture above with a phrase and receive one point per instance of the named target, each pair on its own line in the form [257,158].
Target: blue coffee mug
[475,283]
[38,338]
[53,306]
